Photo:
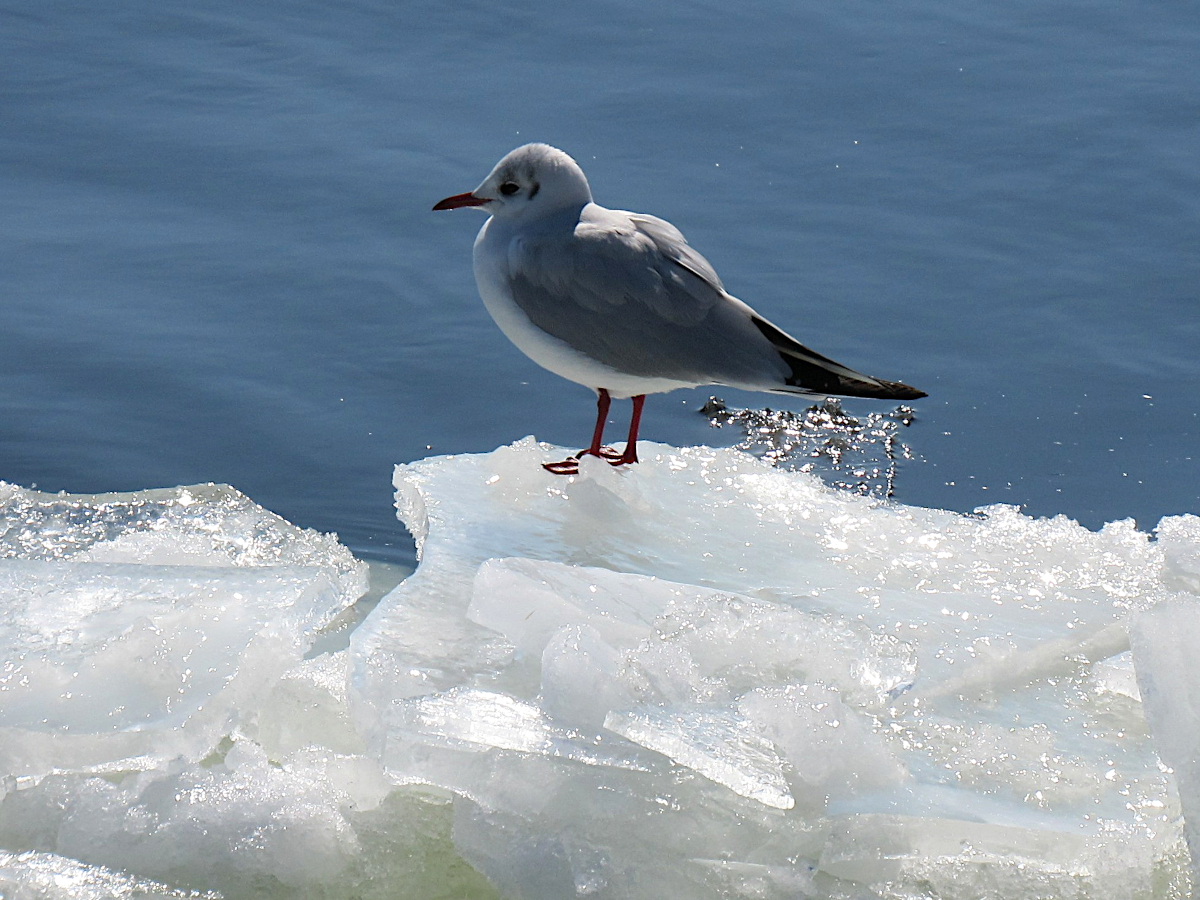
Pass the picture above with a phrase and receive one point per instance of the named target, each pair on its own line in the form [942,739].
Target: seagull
[620,302]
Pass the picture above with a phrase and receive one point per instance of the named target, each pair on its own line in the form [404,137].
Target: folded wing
[629,291]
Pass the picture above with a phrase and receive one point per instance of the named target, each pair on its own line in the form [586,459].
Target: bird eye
[509,188]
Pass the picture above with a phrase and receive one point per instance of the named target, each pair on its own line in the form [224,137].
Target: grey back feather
[563,280]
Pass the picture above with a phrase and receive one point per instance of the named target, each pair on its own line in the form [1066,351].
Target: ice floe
[697,677]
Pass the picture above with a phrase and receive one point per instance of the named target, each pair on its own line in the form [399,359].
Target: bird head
[532,181]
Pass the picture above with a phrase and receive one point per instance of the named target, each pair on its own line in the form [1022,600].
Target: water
[220,264]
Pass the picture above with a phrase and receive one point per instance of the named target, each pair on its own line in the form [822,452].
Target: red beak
[460,200]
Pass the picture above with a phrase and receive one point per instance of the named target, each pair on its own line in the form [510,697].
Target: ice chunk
[663,672]
[1115,676]
[716,743]
[241,815]
[522,862]
[1179,540]
[202,601]
[475,720]
[945,858]
[139,631]
[225,824]
[653,835]
[198,525]
[108,663]
[778,641]
[527,601]
[581,678]
[832,749]
[733,878]
[709,679]
[307,708]
[46,876]
[507,756]
[311,825]
[1164,651]
[744,643]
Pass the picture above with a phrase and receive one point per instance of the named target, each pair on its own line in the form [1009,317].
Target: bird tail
[813,373]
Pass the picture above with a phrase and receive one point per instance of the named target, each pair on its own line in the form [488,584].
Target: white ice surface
[794,690]
[136,626]
[698,677]
[1166,652]
[45,876]
[142,636]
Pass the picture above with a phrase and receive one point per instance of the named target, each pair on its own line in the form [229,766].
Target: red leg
[635,421]
[570,466]
[602,404]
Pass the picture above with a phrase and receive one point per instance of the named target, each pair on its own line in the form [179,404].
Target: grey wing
[810,372]
[630,293]
[672,244]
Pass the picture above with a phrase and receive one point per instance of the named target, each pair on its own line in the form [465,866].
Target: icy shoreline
[697,677]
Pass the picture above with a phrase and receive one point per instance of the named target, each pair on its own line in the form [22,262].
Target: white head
[531,181]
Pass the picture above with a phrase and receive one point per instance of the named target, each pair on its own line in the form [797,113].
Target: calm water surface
[219,262]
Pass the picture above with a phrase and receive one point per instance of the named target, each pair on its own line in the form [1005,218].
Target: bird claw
[624,458]
[570,465]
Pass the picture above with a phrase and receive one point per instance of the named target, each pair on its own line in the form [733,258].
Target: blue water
[219,261]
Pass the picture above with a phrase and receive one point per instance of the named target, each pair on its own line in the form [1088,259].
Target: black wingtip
[898,390]
[813,378]
[815,374]
[879,390]
[815,381]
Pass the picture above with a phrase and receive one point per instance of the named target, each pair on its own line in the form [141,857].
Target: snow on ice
[696,677]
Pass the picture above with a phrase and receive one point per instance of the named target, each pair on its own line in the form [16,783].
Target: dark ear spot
[533,190]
